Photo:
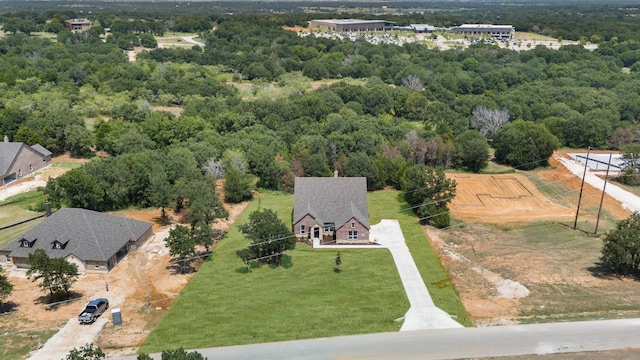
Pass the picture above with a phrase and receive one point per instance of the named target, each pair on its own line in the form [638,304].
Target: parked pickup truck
[93,310]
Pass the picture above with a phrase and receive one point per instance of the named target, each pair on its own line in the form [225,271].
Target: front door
[316,232]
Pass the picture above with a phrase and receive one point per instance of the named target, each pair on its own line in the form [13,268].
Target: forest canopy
[375,111]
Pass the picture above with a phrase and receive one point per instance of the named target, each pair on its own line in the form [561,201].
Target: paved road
[629,201]
[448,343]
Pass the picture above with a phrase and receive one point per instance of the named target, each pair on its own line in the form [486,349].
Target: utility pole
[606,177]
[575,223]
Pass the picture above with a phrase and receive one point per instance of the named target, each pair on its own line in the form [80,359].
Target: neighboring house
[331,209]
[18,159]
[92,240]
[79,24]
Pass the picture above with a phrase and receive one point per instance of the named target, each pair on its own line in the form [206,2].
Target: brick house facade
[331,209]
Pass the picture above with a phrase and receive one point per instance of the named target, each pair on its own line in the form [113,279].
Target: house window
[24,243]
[30,167]
[8,258]
[19,172]
[329,227]
[57,245]
[303,229]
[353,235]
[353,225]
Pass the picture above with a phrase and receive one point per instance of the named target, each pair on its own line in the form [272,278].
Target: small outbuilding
[92,240]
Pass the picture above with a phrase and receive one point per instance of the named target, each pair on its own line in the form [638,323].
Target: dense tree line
[388,108]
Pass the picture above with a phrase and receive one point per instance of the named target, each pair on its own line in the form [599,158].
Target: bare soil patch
[505,273]
[502,198]
[175,110]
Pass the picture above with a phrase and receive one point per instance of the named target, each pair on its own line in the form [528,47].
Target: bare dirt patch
[505,273]
[175,110]
[145,274]
[502,198]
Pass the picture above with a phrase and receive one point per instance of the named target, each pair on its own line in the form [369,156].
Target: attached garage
[10,178]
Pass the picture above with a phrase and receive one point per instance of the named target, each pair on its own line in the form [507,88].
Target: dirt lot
[503,198]
[146,271]
[501,274]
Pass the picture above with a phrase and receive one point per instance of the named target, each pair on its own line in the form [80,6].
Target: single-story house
[332,209]
[18,159]
[92,240]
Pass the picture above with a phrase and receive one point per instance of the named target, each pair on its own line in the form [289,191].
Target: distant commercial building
[79,24]
[351,25]
[498,32]
[422,28]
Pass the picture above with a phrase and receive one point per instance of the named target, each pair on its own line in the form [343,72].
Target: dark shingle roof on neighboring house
[8,152]
[89,235]
[41,149]
[331,199]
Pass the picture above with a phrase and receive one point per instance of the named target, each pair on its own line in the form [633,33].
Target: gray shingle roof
[41,149]
[331,199]
[8,152]
[89,235]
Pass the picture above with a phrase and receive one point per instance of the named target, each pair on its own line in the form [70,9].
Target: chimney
[335,173]
[47,208]
[6,139]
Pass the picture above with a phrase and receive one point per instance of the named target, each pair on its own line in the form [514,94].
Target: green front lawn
[224,305]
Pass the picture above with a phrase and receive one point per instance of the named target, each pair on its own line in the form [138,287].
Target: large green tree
[621,249]
[269,237]
[57,275]
[6,287]
[524,144]
[183,244]
[428,191]
[472,150]
[237,186]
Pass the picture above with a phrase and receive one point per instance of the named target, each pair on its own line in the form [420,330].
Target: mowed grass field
[223,304]
[16,209]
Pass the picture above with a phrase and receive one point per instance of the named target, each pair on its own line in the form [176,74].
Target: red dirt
[507,199]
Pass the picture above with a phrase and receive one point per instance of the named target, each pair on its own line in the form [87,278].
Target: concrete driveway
[422,314]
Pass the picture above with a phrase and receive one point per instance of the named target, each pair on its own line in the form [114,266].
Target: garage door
[10,178]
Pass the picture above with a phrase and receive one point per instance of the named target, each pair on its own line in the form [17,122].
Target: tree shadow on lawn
[190,265]
[8,307]
[285,261]
[602,271]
